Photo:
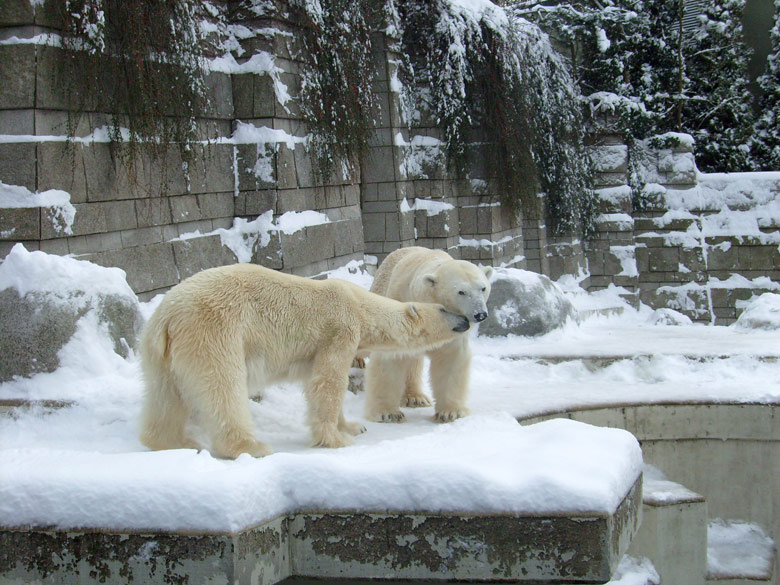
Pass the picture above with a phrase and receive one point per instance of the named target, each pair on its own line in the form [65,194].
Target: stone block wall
[702,245]
[162,220]
[143,219]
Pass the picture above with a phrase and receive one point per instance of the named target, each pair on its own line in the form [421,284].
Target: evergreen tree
[718,110]
[766,140]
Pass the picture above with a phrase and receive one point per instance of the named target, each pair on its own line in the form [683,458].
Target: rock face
[41,316]
[525,303]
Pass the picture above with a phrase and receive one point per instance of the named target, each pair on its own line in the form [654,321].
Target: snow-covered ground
[84,465]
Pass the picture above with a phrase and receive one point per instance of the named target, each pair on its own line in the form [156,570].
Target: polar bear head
[461,287]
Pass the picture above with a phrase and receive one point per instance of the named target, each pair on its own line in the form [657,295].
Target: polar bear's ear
[429,279]
[488,270]
[411,310]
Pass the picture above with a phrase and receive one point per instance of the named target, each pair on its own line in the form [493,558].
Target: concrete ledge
[347,545]
[727,452]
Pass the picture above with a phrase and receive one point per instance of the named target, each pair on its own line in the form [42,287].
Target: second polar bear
[392,381]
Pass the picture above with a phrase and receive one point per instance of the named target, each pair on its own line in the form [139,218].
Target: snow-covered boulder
[665,316]
[42,299]
[761,313]
[525,303]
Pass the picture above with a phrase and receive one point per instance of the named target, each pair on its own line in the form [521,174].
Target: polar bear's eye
[461,292]
[484,288]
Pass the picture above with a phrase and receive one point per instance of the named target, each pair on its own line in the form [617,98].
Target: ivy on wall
[336,94]
[484,69]
[142,62]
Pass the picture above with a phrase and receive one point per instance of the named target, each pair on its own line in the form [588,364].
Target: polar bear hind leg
[217,386]
[164,416]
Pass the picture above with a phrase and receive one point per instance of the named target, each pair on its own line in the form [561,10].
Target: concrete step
[673,533]
[738,553]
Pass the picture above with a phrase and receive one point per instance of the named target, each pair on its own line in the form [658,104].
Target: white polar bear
[425,275]
[227,330]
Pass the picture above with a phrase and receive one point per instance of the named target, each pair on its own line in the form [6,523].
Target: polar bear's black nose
[479,317]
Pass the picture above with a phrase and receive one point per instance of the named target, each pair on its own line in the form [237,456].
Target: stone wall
[162,221]
[703,244]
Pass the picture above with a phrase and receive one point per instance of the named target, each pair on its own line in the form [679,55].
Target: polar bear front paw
[446,416]
[327,435]
[391,417]
[416,400]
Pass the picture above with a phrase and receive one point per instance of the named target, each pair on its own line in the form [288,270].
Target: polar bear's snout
[481,316]
[460,323]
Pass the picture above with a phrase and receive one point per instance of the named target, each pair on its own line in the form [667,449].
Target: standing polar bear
[392,381]
[227,330]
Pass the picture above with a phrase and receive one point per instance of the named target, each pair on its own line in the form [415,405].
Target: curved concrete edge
[348,545]
[689,420]
[727,453]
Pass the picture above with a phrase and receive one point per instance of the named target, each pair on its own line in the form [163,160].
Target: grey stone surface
[17,121]
[196,254]
[20,224]
[525,303]
[17,76]
[60,167]
[17,164]
[16,12]
[36,326]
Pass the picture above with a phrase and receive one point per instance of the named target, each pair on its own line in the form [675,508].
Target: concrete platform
[346,545]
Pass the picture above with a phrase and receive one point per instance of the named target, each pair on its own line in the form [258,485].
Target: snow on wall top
[480,465]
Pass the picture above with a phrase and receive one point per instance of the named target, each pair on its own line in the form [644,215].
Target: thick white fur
[228,331]
[392,381]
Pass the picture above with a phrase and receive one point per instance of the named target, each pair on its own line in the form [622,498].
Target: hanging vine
[141,63]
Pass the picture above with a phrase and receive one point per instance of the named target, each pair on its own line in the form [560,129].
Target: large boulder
[761,312]
[525,303]
[44,297]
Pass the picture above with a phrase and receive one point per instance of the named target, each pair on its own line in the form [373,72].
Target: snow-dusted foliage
[718,111]
[766,140]
[626,66]
[491,78]
[636,61]
[336,92]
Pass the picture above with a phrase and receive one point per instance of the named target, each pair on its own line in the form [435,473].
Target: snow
[430,206]
[37,271]
[738,549]
[17,196]
[83,466]
[245,235]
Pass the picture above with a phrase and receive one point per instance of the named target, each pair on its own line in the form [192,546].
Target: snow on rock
[762,312]
[62,211]
[483,464]
[46,300]
[668,317]
[525,303]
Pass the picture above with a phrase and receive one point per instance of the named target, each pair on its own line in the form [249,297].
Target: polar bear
[227,330]
[425,275]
